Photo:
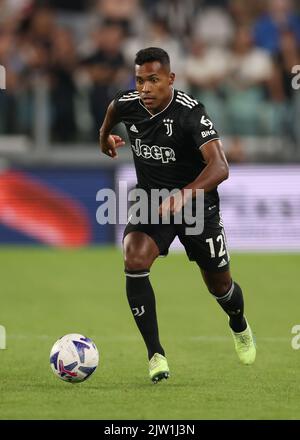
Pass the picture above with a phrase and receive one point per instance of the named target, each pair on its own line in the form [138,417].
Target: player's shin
[141,299]
[233,304]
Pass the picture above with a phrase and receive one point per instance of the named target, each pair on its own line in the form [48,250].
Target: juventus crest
[168,123]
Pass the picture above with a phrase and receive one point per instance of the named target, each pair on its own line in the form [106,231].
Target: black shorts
[208,250]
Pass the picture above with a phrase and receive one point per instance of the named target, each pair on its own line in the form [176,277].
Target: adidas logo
[223,263]
[133,128]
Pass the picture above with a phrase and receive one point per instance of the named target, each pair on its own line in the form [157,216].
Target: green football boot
[158,368]
[245,345]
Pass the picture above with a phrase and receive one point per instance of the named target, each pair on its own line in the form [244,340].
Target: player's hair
[151,54]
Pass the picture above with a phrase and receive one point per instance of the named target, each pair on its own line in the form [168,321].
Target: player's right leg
[140,251]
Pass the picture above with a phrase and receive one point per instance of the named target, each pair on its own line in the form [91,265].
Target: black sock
[141,299]
[233,304]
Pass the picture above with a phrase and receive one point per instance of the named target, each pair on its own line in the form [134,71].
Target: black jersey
[167,145]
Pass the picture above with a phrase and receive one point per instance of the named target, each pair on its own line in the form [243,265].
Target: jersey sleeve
[123,101]
[200,127]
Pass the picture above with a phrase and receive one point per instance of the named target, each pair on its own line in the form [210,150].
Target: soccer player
[175,145]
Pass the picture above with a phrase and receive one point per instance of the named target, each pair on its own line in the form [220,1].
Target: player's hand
[172,204]
[111,144]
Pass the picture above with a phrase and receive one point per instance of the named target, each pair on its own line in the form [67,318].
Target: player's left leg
[230,297]
[209,251]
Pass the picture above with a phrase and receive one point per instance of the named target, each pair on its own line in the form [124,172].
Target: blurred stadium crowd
[235,56]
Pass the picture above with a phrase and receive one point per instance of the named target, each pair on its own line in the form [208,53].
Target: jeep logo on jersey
[165,154]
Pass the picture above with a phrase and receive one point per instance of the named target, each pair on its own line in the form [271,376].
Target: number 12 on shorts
[221,244]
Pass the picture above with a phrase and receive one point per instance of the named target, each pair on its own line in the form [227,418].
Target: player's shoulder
[126,102]
[126,96]
[188,107]
[186,102]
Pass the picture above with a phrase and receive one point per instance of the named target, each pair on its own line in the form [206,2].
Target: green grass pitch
[46,293]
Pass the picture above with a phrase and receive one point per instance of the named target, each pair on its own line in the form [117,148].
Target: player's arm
[216,170]
[110,142]
[211,176]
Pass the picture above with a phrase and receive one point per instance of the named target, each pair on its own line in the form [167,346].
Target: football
[74,358]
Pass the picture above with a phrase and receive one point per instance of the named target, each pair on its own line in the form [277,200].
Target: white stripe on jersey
[213,139]
[184,95]
[130,96]
[182,98]
[129,99]
[184,103]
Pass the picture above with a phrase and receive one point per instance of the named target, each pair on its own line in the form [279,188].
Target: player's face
[154,84]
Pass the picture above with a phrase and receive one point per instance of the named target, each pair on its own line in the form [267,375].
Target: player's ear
[171,78]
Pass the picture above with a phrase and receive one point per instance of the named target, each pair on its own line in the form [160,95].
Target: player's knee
[135,261]
[219,288]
